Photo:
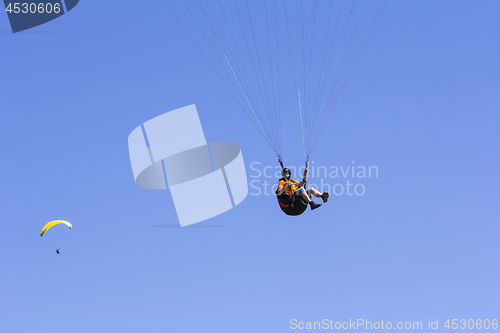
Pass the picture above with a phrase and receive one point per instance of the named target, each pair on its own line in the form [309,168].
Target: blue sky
[421,243]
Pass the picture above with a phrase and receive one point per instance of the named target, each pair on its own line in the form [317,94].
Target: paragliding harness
[290,204]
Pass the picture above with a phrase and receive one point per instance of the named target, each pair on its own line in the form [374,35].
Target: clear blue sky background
[421,243]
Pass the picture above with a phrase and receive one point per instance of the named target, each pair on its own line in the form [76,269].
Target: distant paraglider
[53,223]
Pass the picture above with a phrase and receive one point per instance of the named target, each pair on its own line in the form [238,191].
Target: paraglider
[293,197]
[50,225]
[266,53]
[53,223]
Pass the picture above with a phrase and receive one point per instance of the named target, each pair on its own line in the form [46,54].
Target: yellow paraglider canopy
[53,223]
